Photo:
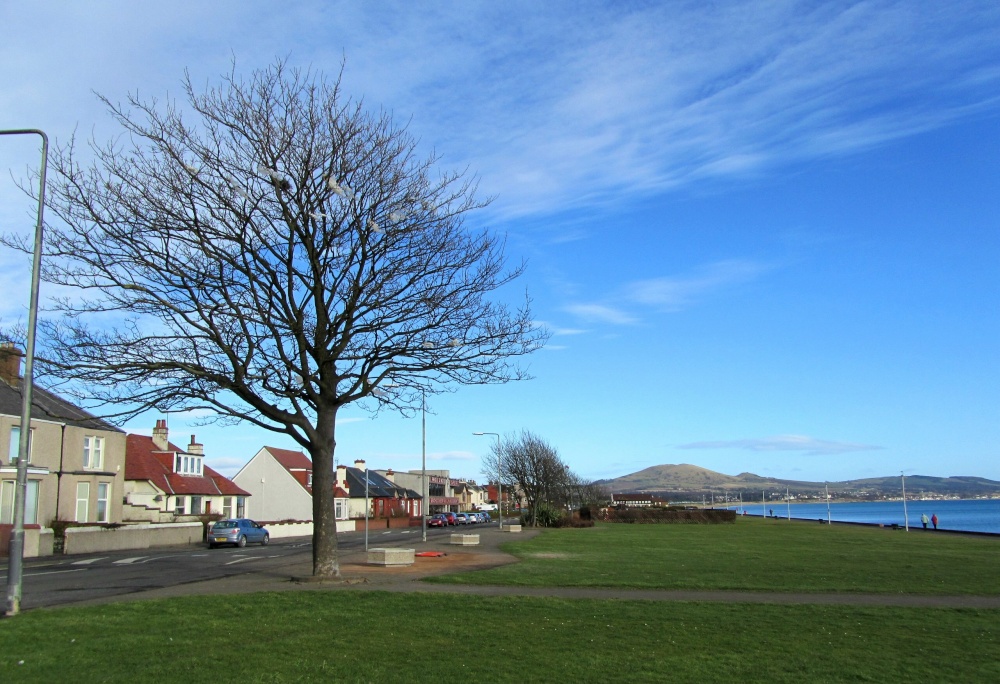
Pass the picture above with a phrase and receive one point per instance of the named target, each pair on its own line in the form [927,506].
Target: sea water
[972,515]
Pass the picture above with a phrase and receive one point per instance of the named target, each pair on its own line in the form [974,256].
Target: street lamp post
[15,568]
[499,476]
[424,495]
[906,518]
[367,511]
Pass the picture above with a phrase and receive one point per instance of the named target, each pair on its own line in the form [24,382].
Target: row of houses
[82,469]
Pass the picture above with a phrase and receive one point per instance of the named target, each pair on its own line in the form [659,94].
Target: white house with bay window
[75,461]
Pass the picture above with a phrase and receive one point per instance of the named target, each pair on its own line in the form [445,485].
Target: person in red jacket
[934,520]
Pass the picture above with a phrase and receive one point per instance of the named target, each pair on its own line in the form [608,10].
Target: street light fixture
[499,476]
[15,569]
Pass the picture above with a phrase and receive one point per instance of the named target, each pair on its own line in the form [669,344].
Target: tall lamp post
[906,518]
[424,497]
[15,569]
[499,476]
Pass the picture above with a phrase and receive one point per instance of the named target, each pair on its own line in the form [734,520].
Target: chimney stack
[360,464]
[10,364]
[195,448]
[160,440]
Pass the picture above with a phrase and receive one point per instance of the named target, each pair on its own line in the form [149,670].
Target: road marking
[129,561]
[88,561]
[239,560]
[53,572]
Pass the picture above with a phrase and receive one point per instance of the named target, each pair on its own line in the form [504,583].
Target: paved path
[359,576]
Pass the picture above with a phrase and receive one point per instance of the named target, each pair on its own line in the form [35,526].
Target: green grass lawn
[754,555]
[362,636]
[348,636]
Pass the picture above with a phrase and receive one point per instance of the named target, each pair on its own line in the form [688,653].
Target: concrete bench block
[513,528]
[390,556]
[465,539]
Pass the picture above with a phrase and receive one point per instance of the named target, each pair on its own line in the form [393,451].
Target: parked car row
[449,518]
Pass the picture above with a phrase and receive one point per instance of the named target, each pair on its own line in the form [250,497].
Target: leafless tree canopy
[529,464]
[269,252]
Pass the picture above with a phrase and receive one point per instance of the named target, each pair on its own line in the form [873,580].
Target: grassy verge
[752,555]
[348,636]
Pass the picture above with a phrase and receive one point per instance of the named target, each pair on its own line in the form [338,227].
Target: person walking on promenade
[924,519]
[934,520]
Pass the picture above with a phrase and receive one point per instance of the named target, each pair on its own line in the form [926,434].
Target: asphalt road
[64,580]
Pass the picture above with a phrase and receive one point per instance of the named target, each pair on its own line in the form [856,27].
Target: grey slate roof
[379,486]
[48,406]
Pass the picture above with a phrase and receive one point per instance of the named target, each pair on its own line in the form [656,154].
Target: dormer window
[186,464]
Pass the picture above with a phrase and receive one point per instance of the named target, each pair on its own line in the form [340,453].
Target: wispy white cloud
[557,105]
[810,446]
[674,293]
[670,293]
[600,313]
[452,456]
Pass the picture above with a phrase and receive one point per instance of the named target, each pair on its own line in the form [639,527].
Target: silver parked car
[237,531]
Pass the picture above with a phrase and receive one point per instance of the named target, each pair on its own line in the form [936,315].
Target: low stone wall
[289,529]
[465,539]
[99,539]
[304,528]
[38,540]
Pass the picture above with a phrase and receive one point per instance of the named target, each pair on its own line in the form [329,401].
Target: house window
[103,488]
[195,505]
[7,502]
[179,505]
[227,507]
[188,465]
[15,444]
[82,500]
[93,452]
[338,509]
[241,507]
[309,480]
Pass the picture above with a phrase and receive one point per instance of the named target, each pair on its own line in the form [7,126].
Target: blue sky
[764,235]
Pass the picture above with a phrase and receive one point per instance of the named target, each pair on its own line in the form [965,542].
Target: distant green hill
[694,481]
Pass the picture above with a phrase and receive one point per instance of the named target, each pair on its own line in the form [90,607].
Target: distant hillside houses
[638,500]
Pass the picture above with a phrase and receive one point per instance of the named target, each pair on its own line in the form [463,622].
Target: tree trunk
[326,563]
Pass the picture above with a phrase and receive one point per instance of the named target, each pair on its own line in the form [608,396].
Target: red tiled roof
[300,467]
[290,459]
[143,461]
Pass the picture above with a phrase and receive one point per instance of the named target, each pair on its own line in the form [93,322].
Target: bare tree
[270,253]
[529,464]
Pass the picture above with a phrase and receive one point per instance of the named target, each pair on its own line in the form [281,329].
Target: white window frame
[14,448]
[185,464]
[179,505]
[103,501]
[227,507]
[93,452]
[199,508]
[7,502]
[82,502]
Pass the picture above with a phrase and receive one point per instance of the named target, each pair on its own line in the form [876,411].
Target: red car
[437,521]
[450,517]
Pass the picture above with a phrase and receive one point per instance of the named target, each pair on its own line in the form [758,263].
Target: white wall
[279,496]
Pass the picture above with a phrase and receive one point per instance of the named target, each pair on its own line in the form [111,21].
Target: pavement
[358,575]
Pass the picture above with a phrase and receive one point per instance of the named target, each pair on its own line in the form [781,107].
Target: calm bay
[972,515]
